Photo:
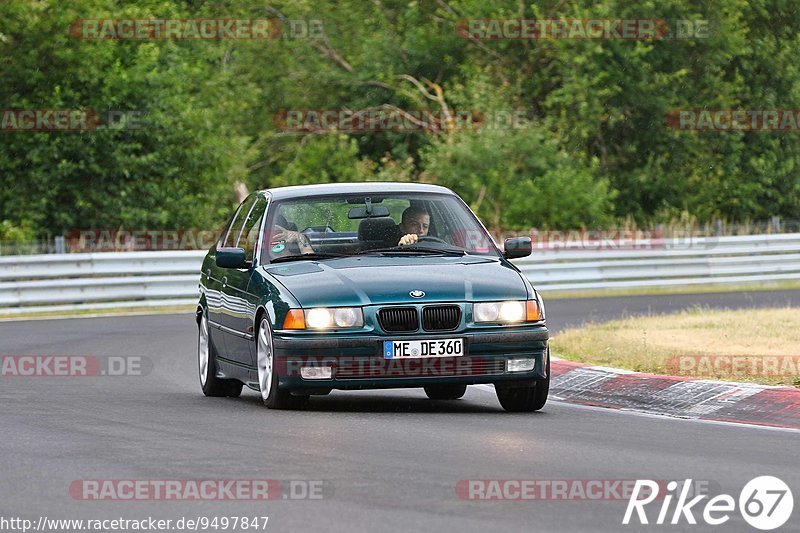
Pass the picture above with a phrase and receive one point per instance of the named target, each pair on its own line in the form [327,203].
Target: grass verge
[89,313]
[751,345]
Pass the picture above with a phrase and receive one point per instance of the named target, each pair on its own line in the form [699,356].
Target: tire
[445,392]
[207,366]
[272,395]
[526,396]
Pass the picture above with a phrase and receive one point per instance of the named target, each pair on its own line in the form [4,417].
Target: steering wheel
[431,238]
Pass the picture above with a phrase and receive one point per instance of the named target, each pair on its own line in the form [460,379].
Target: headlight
[486,312]
[335,317]
[348,317]
[510,312]
[319,318]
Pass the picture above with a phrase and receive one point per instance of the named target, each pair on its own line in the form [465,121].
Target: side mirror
[517,247]
[231,258]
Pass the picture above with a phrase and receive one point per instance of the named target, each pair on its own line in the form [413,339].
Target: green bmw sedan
[367,286]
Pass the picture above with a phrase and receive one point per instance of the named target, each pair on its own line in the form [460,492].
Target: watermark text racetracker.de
[136,240]
[72,366]
[198,489]
[192,29]
[394,119]
[416,365]
[69,120]
[763,120]
[610,29]
[196,523]
[765,502]
[547,489]
[122,239]
[610,239]
[735,366]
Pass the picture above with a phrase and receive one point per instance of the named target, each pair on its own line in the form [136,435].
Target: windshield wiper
[302,257]
[411,250]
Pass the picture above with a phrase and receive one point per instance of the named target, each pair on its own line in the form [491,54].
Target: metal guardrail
[151,279]
[100,280]
[671,262]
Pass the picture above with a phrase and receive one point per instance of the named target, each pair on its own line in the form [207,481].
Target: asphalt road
[388,460]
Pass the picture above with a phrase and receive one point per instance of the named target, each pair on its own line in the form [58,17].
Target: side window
[252,224]
[235,227]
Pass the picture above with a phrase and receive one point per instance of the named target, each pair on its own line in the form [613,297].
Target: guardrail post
[60,245]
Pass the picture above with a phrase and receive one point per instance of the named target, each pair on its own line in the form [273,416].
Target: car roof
[366,187]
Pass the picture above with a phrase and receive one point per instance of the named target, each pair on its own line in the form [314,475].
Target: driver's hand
[407,239]
[289,236]
[284,235]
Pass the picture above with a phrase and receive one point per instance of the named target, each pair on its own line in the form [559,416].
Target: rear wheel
[207,366]
[525,396]
[271,394]
[445,392]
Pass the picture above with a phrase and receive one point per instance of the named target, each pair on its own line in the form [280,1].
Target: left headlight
[334,317]
[508,312]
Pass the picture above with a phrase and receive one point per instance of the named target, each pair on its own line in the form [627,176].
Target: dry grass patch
[741,345]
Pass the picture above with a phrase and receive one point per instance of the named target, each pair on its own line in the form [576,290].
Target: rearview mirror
[231,258]
[517,247]
[377,211]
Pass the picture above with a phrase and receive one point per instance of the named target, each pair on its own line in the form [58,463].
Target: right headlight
[507,312]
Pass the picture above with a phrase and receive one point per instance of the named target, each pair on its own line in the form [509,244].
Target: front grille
[441,317]
[419,368]
[398,319]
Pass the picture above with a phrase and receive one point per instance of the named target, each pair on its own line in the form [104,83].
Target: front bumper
[357,360]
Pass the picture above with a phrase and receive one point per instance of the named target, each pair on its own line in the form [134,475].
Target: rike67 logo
[765,503]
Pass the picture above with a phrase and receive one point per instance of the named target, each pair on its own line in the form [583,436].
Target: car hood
[372,280]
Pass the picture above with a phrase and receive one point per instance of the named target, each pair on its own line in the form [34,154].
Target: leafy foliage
[593,146]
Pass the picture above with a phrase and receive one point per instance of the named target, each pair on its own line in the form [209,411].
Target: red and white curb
[682,397]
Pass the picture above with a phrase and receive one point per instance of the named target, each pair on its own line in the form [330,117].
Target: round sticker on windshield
[278,248]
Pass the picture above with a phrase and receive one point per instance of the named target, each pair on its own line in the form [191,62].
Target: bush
[518,179]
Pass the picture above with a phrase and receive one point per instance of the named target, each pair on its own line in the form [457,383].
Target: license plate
[423,348]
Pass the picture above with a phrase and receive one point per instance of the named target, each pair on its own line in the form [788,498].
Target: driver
[415,223]
[282,235]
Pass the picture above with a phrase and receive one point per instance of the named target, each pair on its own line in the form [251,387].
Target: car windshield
[325,227]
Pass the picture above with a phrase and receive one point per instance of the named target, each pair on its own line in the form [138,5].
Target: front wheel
[525,397]
[207,366]
[271,394]
[445,392]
